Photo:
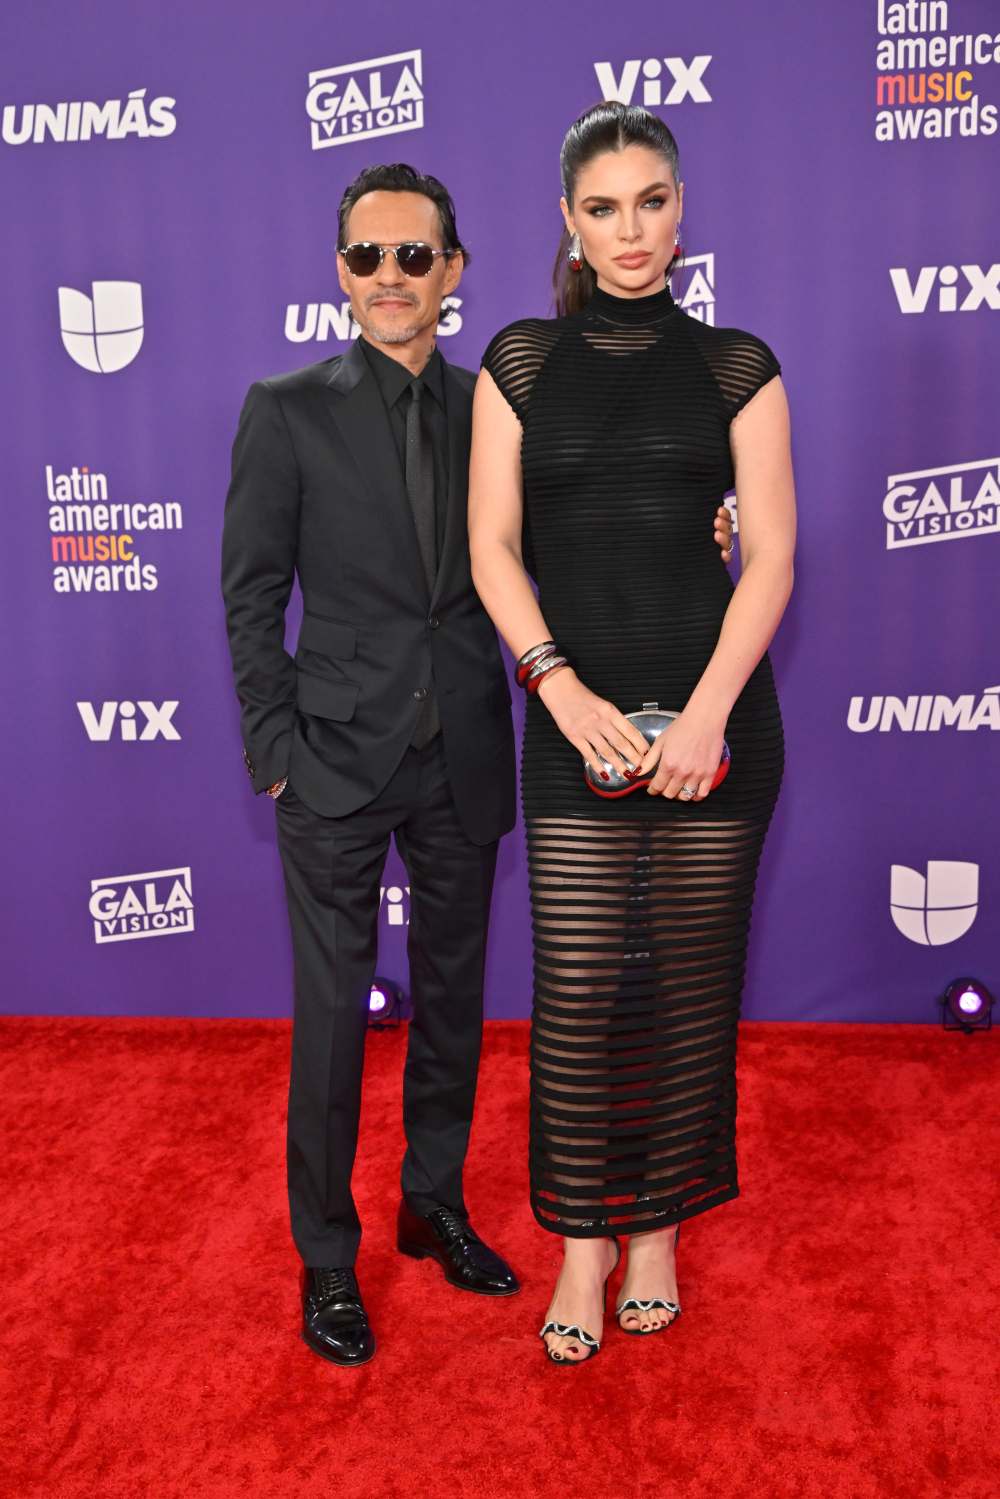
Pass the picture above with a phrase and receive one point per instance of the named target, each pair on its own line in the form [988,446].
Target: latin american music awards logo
[359,100]
[95,542]
[929,70]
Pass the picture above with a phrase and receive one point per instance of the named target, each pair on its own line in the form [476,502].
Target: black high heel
[592,1344]
[632,1304]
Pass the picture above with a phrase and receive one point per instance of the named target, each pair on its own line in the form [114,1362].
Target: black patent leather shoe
[334,1320]
[447,1237]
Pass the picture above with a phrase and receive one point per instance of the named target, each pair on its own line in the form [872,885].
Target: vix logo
[983,288]
[686,80]
[361,99]
[938,909]
[158,725]
[395,901]
[103,333]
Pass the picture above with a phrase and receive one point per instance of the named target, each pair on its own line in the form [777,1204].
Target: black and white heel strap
[562,1330]
[634,1305]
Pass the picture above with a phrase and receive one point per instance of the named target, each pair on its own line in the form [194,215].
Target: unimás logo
[121,721]
[321,321]
[158,903]
[102,332]
[92,538]
[85,120]
[925,713]
[925,88]
[359,100]
[935,288]
[942,504]
[665,80]
[937,908]
[394,904]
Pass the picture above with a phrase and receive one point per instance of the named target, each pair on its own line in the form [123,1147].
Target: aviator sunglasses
[414,258]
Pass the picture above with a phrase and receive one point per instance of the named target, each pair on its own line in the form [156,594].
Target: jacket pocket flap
[336,700]
[328,637]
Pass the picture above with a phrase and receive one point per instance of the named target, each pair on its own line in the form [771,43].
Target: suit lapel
[360,418]
[459,405]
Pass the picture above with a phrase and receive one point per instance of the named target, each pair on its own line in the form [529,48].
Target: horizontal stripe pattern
[640,906]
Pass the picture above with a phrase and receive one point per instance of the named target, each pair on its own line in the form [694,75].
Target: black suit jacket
[317,490]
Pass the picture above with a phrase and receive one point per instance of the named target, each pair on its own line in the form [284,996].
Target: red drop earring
[575,254]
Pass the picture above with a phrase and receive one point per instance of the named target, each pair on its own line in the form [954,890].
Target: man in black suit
[393,719]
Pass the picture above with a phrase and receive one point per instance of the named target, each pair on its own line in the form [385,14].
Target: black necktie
[419,472]
[420,482]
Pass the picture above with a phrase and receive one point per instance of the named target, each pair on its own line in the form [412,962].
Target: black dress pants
[333,869]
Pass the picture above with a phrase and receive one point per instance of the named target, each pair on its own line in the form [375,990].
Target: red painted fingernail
[605,776]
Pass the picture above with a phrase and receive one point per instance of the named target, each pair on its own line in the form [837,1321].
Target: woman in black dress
[603,440]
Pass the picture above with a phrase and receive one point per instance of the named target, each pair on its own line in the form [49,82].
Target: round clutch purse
[651,720]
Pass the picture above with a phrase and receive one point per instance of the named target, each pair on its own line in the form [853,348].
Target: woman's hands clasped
[685,756]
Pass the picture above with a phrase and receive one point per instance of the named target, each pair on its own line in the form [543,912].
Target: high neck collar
[632,310]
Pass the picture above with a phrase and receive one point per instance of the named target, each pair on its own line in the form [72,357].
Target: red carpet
[839,1331]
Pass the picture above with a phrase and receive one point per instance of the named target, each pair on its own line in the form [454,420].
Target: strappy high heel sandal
[632,1304]
[592,1344]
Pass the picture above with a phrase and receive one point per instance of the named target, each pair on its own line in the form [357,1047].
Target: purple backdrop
[836,161]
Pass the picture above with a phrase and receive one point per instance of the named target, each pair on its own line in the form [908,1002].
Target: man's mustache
[391,296]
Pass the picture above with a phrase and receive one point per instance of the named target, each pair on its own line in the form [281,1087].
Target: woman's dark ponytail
[605,127]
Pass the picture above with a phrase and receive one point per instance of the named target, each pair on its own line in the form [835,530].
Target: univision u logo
[103,333]
[939,908]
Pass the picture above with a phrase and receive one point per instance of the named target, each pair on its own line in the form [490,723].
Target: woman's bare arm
[760,442]
[594,726]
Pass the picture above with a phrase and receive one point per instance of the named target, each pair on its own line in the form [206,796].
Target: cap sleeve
[513,358]
[749,364]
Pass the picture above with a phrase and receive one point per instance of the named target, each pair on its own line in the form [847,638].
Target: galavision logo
[939,908]
[85,120]
[926,713]
[102,333]
[325,320]
[942,504]
[982,288]
[686,80]
[159,721]
[695,292]
[359,100]
[156,904]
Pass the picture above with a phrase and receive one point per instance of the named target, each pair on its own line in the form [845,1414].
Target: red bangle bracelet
[542,669]
[532,658]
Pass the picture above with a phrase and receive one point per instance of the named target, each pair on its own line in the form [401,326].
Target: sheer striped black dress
[640,906]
